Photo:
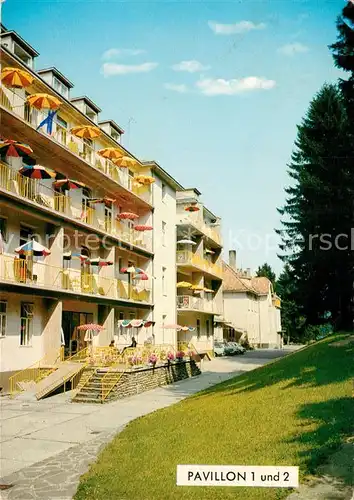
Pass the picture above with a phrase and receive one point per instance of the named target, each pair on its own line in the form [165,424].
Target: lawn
[294,411]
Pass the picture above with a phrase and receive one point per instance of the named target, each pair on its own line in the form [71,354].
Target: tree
[317,216]
[291,319]
[266,271]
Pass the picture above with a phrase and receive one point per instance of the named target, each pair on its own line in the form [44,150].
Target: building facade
[199,270]
[250,307]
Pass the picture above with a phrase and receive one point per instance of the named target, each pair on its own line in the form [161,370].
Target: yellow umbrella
[86,131]
[208,290]
[184,284]
[144,179]
[125,162]
[110,153]
[43,101]
[197,287]
[16,77]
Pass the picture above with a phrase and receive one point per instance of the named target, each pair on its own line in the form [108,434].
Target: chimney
[232,259]
[248,272]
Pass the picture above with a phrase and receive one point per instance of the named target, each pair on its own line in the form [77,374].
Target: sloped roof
[233,283]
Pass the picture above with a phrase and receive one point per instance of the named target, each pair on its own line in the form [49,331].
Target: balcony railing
[204,304]
[189,258]
[41,275]
[37,192]
[15,103]
[208,231]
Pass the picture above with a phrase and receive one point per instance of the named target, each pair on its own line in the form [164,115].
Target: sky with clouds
[211,90]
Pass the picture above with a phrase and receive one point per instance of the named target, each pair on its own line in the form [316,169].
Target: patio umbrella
[173,326]
[90,329]
[186,242]
[110,153]
[100,262]
[192,208]
[184,284]
[143,228]
[141,276]
[197,288]
[125,162]
[86,131]
[68,184]
[127,270]
[145,179]
[16,149]
[210,252]
[36,172]
[16,77]
[127,215]
[43,101]
[70,255]
[209,290]
[107,201]
[32,248]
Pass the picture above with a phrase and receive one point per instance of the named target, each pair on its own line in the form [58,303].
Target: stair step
[86,400]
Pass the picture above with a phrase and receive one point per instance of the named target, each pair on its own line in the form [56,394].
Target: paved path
[47,445]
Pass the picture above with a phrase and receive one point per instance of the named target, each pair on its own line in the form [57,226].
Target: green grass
[295,411]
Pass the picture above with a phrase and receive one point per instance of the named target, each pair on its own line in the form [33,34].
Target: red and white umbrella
[128,215]
[143,228]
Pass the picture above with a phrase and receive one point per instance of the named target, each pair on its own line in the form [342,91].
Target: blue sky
[179,83]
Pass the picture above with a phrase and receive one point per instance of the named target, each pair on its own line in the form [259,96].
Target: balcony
[188,258]
[18,106]
[38,274]
[35,191]
[190,303]
[194,220]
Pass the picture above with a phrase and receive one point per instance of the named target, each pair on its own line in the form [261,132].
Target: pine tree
[266,271]
[318,209]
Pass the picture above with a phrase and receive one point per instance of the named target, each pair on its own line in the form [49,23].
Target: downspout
[259,322]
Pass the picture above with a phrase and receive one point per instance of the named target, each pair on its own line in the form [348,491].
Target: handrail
[107,388]
[188,257]
[75,145]
[44,196]
[39,274]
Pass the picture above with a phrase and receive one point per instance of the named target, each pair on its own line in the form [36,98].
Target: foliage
[266,271]
[298,411]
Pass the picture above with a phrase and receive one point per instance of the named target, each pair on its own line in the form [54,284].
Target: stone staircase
[90,391]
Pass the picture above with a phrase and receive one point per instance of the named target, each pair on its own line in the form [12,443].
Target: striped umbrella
[110,153]
[36,172]
[68,184]
[16,77]
[15,149]
[100,262]
[86,131]
[43,101]
[32,248]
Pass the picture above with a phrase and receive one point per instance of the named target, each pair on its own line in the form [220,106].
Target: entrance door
[74,338]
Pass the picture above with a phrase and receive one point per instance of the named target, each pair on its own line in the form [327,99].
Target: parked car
[219,349]
[237,347]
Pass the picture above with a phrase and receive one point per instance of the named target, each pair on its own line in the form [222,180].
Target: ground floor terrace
[196,329]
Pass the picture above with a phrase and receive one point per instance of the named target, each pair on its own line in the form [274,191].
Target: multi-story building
[199,270]
[86,277]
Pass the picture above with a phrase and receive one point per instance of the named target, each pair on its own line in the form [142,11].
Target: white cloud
[110,69]
[237,28]
[190,66]
[181,88]
[293,48]
[111,53]
[220,86]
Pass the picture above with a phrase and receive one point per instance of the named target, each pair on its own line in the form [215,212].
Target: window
[121,315]
[26,234]
[62,127]
[163,191]
[120,264]
[3,230]
[26,324]
[207,326]
[164,233]
[131,315]
[60,87]
[198,328]
[163,281]
[3,306]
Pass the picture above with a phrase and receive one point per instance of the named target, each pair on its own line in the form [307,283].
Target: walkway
[47,445]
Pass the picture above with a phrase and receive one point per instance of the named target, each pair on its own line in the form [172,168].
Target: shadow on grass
[336,419]
[318,365]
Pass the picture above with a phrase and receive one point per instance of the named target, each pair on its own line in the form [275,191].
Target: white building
[250,307]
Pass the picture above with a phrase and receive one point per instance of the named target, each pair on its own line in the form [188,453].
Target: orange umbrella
[110,153]
[86,131]
[16,77]
[125,162]
[145,179]
[43,101]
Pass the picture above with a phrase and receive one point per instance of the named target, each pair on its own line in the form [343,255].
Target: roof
[196,191]
[113,124]
[59,75]
[25,45]
[88,101]
[233,283]
[171,181]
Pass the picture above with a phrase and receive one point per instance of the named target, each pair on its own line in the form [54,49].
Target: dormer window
[60,87]
[115,136]
[23,55]
[90,113]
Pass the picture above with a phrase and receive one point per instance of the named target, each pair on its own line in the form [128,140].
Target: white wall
[165,256]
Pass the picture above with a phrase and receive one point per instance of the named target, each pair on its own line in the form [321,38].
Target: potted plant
[152,359]
[180,355]
[170,357]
